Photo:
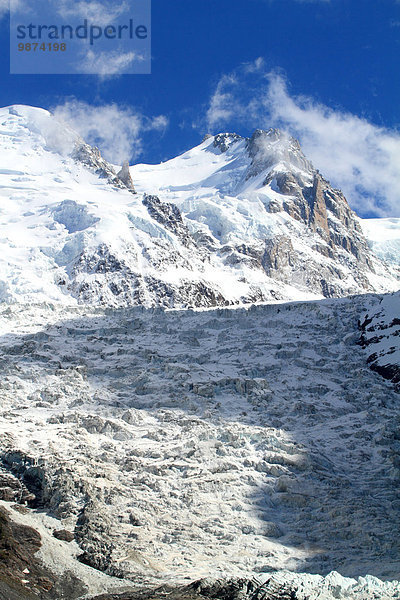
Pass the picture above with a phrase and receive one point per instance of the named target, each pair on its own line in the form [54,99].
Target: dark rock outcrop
[116,282]
[22,575]
[311,199]
[223,141]
[63,535]
[92,532]
[319,250]
[18,567]
[279,254]
[13,490]
[380,335]
[220,589]
[90,157]
[169,216]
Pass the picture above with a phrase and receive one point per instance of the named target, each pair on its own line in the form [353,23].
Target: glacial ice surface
[181,445]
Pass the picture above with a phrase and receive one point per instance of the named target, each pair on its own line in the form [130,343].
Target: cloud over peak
[360,157]
[117,130]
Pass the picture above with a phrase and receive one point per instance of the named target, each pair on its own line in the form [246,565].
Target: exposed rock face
[18,546]
[30,474]
[224,141]
[168,215]
[91,157]
[13,490]
[116,281]
[220,589]
[380,336]
[273,586]
[92,532]
[23,576]
[279,255]
[231,221]
[64,535]
[125,176]
[309,199]
[271,147]
[241,589]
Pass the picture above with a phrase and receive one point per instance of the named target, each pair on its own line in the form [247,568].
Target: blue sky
[324,70]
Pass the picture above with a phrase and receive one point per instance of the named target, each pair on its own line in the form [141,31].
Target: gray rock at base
[13,490]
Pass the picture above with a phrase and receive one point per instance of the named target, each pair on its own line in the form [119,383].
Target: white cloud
[4,7]
[108,64]
[102,13]
[115,129]
[222,103]
[361,158]
[257,66]
[16,5]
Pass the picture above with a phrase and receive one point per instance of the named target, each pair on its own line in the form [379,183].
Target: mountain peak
[224,141]
[271,147]
[233,221]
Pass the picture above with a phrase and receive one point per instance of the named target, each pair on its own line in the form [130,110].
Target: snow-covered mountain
[248,444]
[233,221]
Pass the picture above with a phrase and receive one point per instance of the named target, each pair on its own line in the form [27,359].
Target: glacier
[224,443]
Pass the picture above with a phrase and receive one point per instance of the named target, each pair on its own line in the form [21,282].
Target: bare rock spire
[125,176]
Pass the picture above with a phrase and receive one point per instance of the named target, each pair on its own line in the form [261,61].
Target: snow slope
[383,236]
[205,229]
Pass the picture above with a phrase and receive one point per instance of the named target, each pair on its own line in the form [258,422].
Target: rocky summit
[200,375]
